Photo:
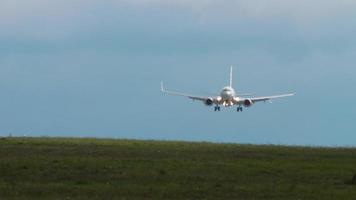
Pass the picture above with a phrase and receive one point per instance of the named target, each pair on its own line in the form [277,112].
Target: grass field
[64,168]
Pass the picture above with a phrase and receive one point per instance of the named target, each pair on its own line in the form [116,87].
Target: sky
[87,68]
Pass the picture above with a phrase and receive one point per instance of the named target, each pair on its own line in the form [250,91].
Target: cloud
[300,10]
[18,11]
[56,19]
[260,8]
[39,18]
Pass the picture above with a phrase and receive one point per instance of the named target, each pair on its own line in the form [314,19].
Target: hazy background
[93,69]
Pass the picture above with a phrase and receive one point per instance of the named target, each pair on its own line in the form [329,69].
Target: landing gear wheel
[239,109]
[217,108]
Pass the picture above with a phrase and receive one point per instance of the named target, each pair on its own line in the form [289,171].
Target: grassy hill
[53,168]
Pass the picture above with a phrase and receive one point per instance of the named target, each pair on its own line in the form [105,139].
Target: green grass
[68,168]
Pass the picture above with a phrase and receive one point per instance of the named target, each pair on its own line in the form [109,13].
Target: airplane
[228,97]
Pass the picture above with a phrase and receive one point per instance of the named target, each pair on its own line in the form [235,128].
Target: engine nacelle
[248,102]
[209,102]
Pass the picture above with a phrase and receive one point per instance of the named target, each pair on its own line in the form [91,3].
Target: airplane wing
[268,98]
[193,97]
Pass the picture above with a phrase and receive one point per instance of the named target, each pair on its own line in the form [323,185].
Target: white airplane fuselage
[227,93]
[228,96]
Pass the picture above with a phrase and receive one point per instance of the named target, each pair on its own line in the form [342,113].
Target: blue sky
[93,69]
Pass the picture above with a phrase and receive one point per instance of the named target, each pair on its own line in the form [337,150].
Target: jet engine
[209,102]
[248,102]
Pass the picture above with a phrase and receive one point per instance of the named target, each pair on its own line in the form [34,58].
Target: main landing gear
[217,108]
[239,109]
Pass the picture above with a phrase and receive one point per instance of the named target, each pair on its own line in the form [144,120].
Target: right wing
[268,98]
[193,97]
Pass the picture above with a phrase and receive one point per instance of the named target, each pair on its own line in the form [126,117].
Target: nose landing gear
[239,109]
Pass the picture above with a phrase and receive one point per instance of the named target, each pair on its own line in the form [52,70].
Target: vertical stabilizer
[231,76]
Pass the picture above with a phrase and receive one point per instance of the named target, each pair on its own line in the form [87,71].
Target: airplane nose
[227,95]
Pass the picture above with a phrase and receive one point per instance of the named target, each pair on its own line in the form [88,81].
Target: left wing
[268,98]
[193,97]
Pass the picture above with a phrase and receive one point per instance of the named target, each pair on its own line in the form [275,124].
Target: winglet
[162,87]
